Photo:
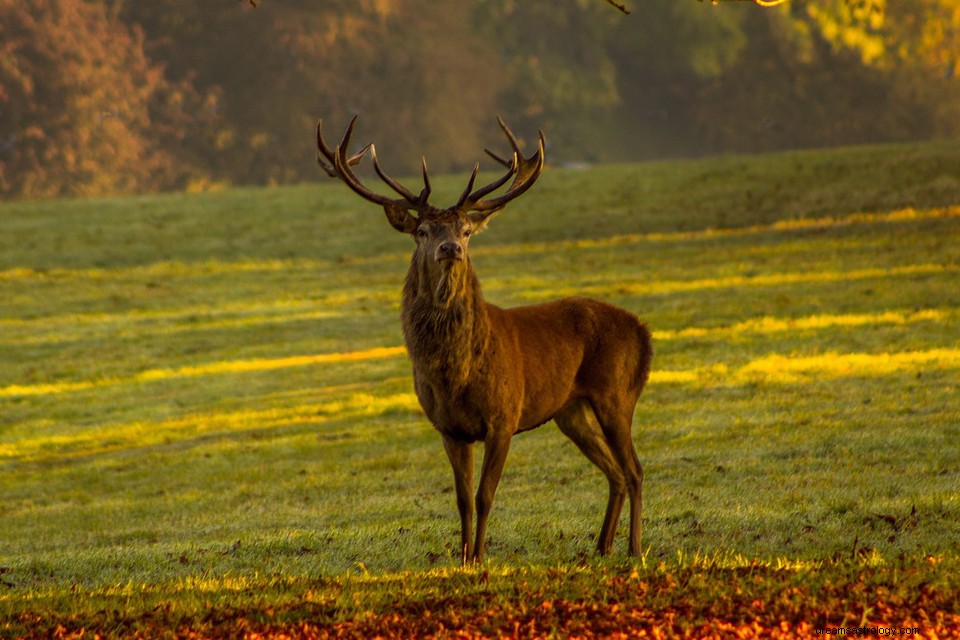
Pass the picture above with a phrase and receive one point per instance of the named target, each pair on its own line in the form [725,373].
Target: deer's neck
[445,322]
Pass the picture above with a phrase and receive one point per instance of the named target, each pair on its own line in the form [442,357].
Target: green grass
[168,439]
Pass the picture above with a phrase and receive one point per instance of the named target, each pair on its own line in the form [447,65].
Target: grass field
[207,424]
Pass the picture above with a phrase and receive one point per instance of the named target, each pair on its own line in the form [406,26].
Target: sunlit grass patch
[15,390]
[771,368]
[781,369]
[539,289]
[216,368]
[767,324]
[791,225]
[125,437]
[140,323]
[162,270]
[267,364]
[786,370]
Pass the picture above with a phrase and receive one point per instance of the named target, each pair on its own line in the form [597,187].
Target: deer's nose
[450,251]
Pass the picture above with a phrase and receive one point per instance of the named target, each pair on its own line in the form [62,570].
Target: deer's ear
[479,219]
[401,219]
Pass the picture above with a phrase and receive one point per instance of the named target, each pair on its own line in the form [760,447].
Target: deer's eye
[467,232]
[422,232]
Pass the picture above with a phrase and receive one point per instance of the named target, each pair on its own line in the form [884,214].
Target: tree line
[120,96]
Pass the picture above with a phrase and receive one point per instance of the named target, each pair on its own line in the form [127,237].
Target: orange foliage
[76,92]
[746,603]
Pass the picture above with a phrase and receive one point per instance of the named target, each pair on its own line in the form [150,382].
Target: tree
[100,96]
[822,73]
[78,103]
[415,71]
[607,87]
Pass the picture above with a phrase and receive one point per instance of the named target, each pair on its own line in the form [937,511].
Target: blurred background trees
[83,110]
[104,96]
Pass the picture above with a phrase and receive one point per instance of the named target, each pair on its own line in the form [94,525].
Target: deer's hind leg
[579,423]
[616,420]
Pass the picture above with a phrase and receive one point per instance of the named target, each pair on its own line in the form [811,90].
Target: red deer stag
[483,373]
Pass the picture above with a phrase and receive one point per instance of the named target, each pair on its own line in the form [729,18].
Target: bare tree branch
[622,7]
[762,3]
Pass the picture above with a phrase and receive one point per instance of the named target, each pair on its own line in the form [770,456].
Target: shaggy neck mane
[445,322]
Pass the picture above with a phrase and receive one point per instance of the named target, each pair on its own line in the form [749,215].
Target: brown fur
[483,374]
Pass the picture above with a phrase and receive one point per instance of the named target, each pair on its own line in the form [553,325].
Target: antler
[340,164]
[524,171]
[330,154]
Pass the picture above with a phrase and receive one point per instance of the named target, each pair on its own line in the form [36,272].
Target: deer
[484,373]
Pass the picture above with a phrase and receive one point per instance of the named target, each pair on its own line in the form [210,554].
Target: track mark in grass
[789,370]
[228,367]
[53,388]
[172,269]
[121,325]
[777,369]
[769,324]
[541,290]
[117,437]
[781,226]
[222,310]
[267,364]
[165,270]
[772,369]
[64,328]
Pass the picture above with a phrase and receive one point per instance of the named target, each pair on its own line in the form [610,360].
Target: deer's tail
[645,343]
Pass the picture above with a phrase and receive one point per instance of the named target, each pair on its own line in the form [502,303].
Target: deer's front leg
[461,459]
[495,449]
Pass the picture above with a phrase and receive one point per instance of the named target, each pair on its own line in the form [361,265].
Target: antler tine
[343,170]
[466,192]
[425,192]
[496,184]
[512,163]
[412,200]
[342,165]
[533,163]
[512,138]
[502,161]
[337,165]
[524,171]
[323,151]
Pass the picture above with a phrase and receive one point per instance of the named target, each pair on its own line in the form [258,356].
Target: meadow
[208,427]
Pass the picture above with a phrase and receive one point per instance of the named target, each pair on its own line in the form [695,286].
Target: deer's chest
[459,412]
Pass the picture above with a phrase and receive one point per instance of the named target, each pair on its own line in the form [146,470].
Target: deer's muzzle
[449,251]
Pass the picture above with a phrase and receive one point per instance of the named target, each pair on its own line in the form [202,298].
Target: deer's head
[442,235]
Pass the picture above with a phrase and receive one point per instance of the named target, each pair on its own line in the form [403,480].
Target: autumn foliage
[80,102]
[692,602]
[102,97]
